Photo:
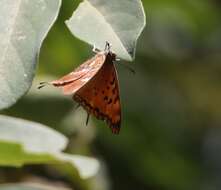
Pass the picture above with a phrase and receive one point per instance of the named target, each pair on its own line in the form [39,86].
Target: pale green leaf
[23,26]
[34,137]
[24,142]
[118,22]
[29,186]
[89,166]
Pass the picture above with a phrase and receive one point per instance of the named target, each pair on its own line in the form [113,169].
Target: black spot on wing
[110,101]
[112,82]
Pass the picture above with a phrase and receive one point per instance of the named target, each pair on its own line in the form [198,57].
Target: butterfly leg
[76,106]
[87,120]
[95,50]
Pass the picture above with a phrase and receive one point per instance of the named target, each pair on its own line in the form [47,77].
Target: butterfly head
[108,52]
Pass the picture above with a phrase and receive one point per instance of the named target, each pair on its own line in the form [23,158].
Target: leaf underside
[118,22]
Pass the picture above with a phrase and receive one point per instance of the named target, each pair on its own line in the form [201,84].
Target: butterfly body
[94,85]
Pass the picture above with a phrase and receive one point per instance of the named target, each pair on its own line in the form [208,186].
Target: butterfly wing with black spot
[100,96]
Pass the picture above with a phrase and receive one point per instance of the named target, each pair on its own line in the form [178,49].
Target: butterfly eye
[114,57]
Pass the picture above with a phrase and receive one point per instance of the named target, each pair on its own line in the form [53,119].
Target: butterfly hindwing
[100,95]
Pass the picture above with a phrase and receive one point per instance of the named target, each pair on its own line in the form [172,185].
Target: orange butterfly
[94,85]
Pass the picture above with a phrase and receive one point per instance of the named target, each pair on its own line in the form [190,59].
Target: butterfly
[94,86]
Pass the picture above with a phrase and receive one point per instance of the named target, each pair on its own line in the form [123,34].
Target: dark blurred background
[171,133]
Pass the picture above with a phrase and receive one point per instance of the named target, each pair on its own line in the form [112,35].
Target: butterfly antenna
[43,84]
[127,67]
[87,120]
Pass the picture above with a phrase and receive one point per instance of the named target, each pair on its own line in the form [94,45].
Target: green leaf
[118,22]
[23,26]
[34,137]
[13,154]
[17,186]
[24,142]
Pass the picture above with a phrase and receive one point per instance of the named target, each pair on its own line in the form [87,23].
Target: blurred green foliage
[170,137]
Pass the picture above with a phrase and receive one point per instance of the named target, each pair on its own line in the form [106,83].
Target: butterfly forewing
[100,95]
[73,81]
